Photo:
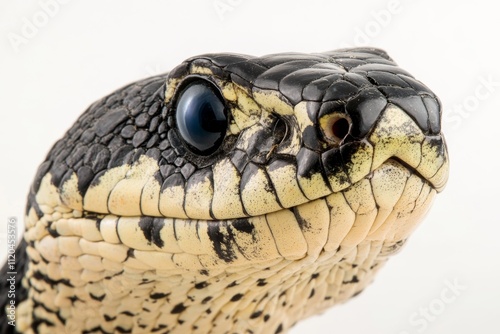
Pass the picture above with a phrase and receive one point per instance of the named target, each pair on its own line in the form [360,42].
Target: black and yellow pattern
[130,230]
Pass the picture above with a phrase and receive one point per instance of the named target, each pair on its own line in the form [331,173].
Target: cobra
[235,194]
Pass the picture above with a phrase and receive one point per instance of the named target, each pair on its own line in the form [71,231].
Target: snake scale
[234,194]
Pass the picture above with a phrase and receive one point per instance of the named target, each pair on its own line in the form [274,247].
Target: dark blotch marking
[155,228]
[279,329]
[98,298]
[130,254]
[127,313]
[159,328]
[236,297]
[179,308]
[201,285]
[243,225]
[256,314]
[41,277]
[222,240]
[108,318]
[151,228]
[232,284]
[261,282]
[353,280]
[146,225]
[74,299]
[37,322]
[303,224]
[53,232]
[158,295]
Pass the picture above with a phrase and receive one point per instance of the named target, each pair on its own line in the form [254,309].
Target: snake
[233,194]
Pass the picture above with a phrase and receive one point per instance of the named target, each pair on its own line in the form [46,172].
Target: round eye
[201,117]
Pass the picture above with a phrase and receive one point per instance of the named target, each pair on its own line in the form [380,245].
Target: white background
[86,49]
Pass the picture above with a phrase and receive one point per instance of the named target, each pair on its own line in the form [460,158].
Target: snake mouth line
[410,169]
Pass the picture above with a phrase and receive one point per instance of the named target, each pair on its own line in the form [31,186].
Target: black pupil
[201,119]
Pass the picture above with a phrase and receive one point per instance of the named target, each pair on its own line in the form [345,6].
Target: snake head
[302,126]
[235,169]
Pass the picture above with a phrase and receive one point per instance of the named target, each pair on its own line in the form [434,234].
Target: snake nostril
[335,127]
[340,128]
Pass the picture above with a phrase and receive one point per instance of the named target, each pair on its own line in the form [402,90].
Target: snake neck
[269,297]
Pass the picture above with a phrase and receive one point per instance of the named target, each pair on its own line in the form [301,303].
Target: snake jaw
[425,155]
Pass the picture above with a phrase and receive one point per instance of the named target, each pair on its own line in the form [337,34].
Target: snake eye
[201,117]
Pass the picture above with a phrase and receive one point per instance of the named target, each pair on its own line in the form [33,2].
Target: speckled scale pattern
[128,230]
